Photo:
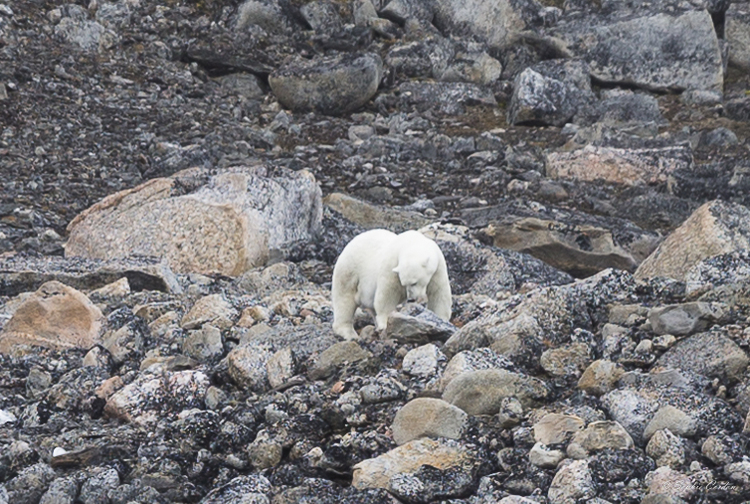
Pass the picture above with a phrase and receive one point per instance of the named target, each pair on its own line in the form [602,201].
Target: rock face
[655,50]
[717,227]
[333,85]
[227,224]
[55,316]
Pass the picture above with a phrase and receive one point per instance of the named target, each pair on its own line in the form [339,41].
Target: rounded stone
[426,416]
[330,85]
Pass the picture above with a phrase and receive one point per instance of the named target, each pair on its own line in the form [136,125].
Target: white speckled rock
[247,367]
[666,449]
[481,392]
[667,481]
[603,434]
[542,456]
[423,361]
[571,483]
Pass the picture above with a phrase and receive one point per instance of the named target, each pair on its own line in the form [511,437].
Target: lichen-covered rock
[223,223]
[717,227]
[429,484]
[653,49]
[423,361]
[710,354]
[156,393]
[212,309]
[600,377]
[415,324]
[55,316]
[330,85]
[335,356]
[556,428]
[666,449]
[550,92]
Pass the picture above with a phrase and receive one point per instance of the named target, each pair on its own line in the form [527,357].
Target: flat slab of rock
[416,324]
[223,223]
[330,85]
[26,273]
[717,227]
[55,316]
[686,318]
[620,166]
[371,216]
[567,240]
[654,50]
[408,458]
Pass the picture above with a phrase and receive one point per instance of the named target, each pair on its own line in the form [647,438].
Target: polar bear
[379,269]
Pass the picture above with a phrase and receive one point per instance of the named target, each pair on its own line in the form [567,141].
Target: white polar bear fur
[379,269]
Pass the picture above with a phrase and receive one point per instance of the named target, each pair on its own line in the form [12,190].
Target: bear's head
[415,273]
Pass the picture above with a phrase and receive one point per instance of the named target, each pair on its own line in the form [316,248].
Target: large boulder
[55,316]
[202,222]
[653,49]
[620,166]
[717,227]
[330,85]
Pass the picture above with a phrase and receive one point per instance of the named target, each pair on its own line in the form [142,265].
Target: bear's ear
[395,270]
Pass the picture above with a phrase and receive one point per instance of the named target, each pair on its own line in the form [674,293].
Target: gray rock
[416,324]
[95,490]
[246,85]
[247,365]
[235,490]
[717,271]
[429,417]
[330,85]
[686,318]
[481,392]
[624,108]
[382,389]
[61,491]
[28,486]
[474,360]
[427,57]
[371,216]
[322,16]
[429,484]
[496,24]
[204,344]
[213,309]
[445,97]
[280,367]
[335,356]
[404,10]
[423,361]
[27,273]
[477,67]
[545,457]
[722,450]
[602,435]
[631,49]
[675,420]
[710,354]
[737,24]
[550,92]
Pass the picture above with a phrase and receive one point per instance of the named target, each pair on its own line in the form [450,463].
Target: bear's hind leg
[344,307]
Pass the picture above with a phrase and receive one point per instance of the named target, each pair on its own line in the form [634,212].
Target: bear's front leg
[387,297]
[344,307]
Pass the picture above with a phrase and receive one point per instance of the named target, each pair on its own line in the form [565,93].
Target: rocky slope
[179,177]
